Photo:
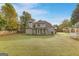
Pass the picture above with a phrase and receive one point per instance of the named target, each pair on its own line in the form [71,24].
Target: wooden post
[37,31]
[75,30]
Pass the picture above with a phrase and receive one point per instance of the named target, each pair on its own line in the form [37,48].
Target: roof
[44,22]
[32,20]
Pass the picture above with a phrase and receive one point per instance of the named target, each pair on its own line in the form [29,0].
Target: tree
[10,15]
[56,27]
[64,24]
[2,22]
[75,15]
[24,19]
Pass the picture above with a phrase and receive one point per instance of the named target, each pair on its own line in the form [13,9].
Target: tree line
[9,19]
[67,23]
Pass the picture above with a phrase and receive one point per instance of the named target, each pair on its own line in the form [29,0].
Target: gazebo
[74,31]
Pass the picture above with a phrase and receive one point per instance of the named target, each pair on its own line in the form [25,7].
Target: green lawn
[20,44]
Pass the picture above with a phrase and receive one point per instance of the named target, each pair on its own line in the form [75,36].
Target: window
[38,24]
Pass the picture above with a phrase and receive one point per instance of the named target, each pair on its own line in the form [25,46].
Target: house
[39,27]
[66,29]
[74,31]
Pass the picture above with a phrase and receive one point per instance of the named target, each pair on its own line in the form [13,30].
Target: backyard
[21,44]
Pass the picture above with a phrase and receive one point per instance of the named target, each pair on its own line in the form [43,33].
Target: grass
[24,45]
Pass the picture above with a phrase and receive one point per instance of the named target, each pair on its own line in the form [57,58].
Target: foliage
[24,19]
[2,22]
[10,15]
[56,27]
[64,24]
[12,25]
[75,15]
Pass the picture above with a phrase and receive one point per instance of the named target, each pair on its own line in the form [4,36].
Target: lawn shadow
[77,39]
[41,36]
[3,54]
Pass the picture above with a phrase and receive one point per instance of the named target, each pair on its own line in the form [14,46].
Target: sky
[54,13]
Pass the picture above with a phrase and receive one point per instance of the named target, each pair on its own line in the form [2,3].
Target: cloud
[38,12]
[25,5]
[31,8]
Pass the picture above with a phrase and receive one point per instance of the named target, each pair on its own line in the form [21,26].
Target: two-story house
[39,28]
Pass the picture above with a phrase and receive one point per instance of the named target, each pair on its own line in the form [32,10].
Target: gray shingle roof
[44,22]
